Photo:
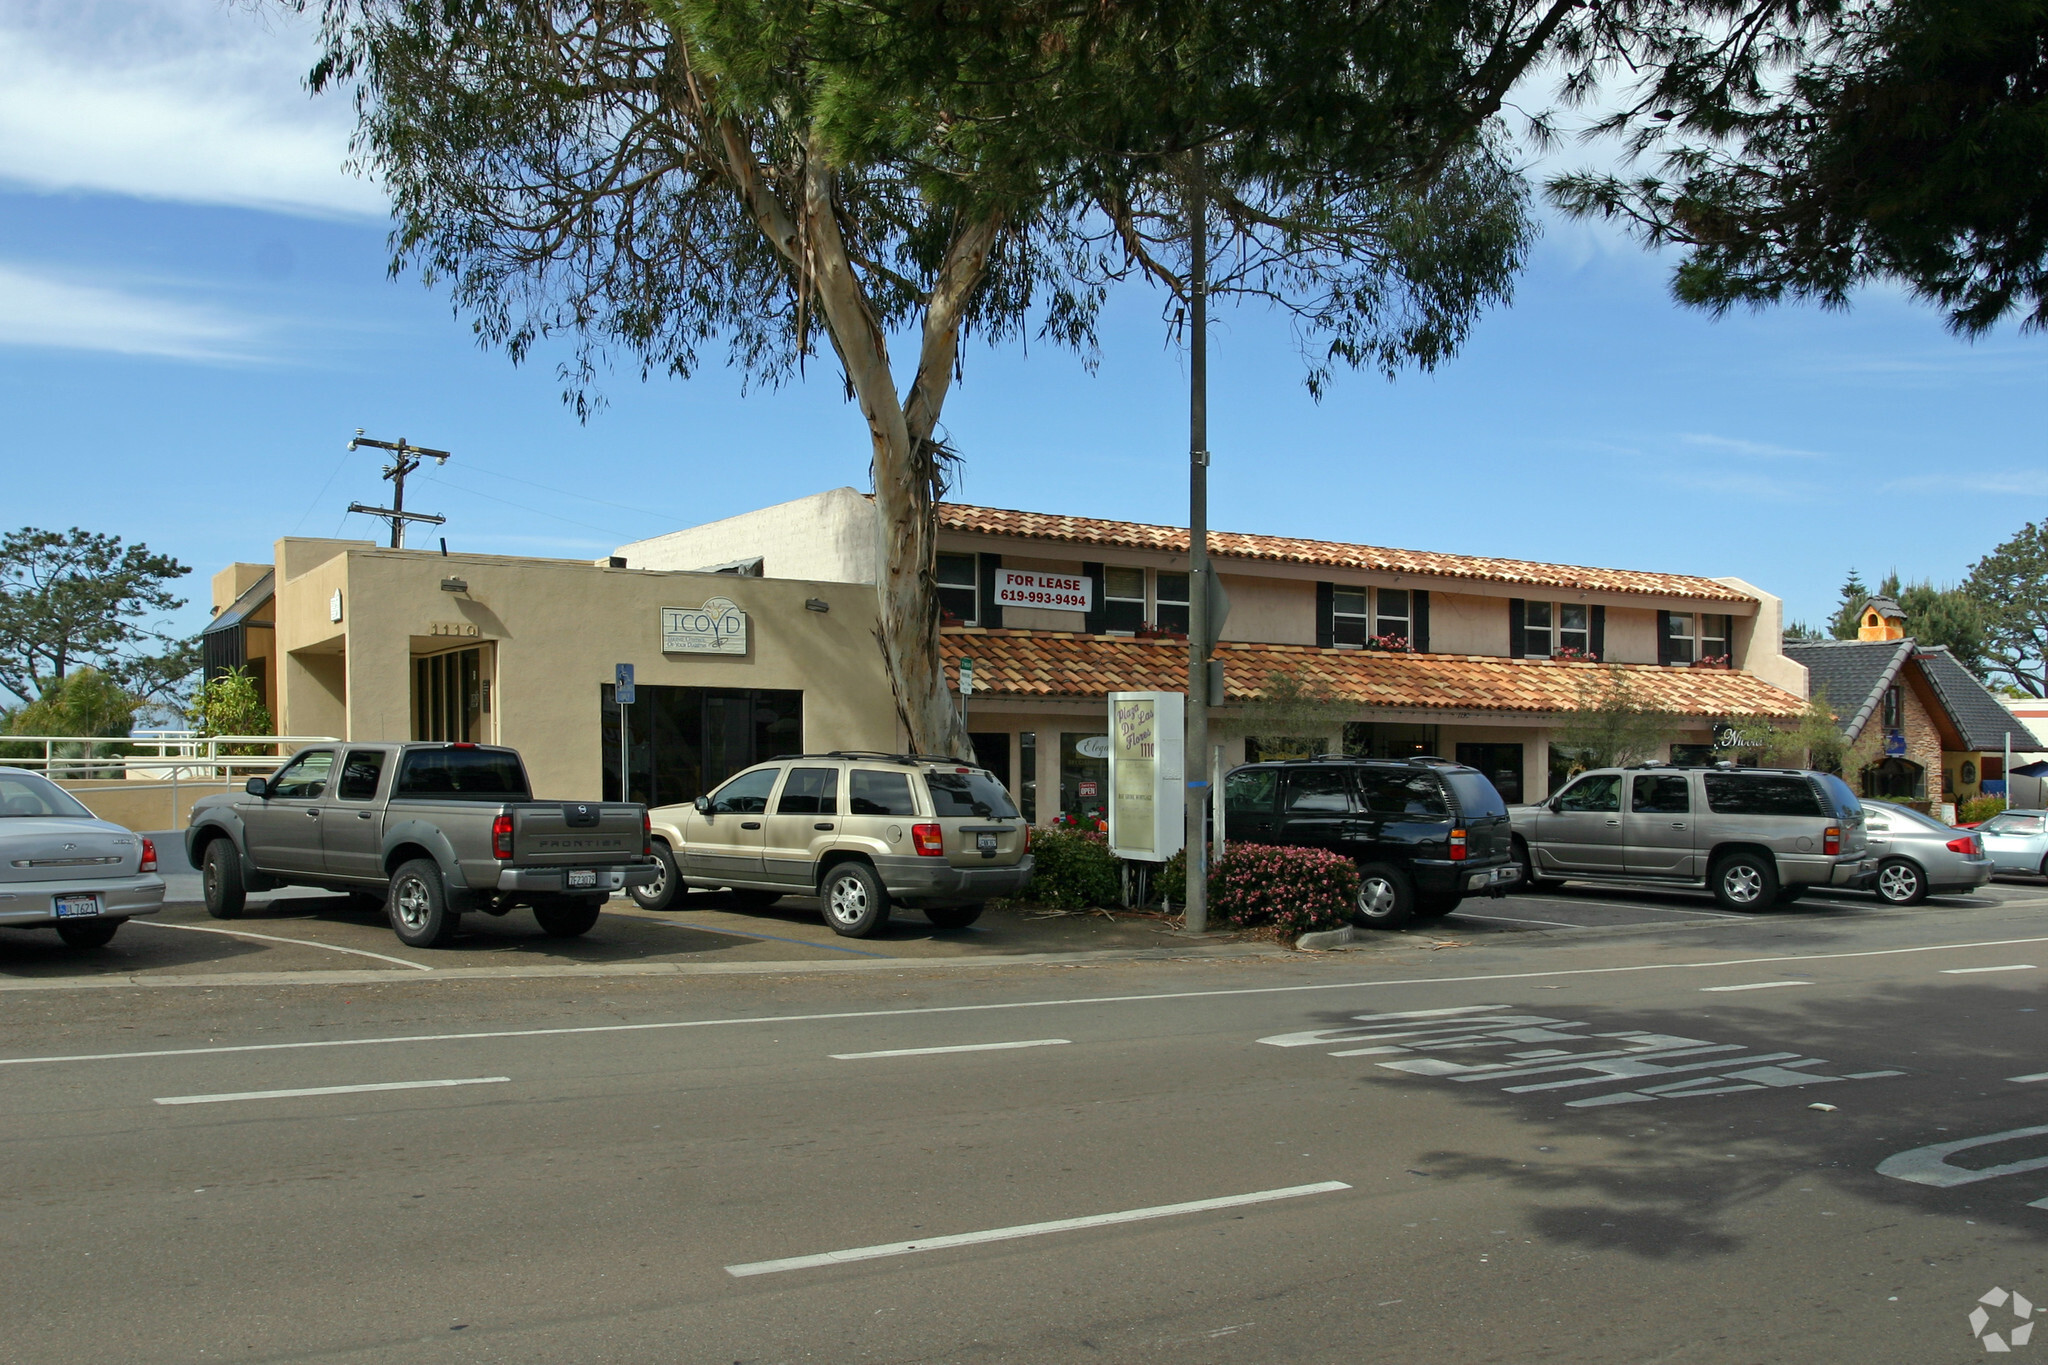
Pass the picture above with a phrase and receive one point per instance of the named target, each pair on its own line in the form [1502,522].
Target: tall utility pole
[1200,646]
[405,459]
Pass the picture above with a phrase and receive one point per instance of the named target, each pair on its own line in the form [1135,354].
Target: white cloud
[46,311]
[185,100]
[1729,445]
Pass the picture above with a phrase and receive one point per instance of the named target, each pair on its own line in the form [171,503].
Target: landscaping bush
[1978,809]
[1170,880]
[1288,891]
[1071,870]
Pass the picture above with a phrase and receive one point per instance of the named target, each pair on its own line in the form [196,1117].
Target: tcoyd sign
[1060,591]
[717,627]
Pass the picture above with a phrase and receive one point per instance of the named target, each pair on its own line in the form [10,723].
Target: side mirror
[257,786]
[1554,805]
[703,805]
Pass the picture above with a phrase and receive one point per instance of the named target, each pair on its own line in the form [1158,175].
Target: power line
[405,459]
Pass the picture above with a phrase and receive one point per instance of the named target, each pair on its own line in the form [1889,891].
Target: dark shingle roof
[1981,717]
[1853,673]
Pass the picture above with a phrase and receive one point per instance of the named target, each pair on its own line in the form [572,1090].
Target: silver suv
[1752,836]
[864,832]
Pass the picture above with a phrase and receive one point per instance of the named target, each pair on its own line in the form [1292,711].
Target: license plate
[577,879]
[77,907]
[986,843]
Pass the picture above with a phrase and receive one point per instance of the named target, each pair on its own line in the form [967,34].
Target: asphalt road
[1583,1146]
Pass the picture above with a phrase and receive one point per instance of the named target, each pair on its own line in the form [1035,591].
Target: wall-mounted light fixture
[816,604]
[454,585]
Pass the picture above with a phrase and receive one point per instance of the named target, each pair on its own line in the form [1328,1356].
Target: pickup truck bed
[428,832]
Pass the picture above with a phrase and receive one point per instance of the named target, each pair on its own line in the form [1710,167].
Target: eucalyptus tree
[652,178]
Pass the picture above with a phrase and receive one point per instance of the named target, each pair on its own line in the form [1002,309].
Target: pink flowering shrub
[1289,891]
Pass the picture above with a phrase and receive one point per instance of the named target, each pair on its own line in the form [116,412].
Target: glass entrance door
[450,697]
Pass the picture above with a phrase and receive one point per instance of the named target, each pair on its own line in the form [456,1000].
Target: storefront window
[1381,739]
[449,697]
[1027,788]
[684,741]
[1502,764]
[1084,776]
[1172,592]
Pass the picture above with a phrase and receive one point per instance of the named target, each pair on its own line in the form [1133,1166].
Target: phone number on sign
[1016,598]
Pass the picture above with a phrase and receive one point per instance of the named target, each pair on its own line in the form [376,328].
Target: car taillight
[1027,838]
[1967,846]
[928,840]
[1831,840]
[646,835]
[148,855]
[501,837]
[1457,845]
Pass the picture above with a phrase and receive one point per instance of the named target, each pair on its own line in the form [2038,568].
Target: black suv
[1425,832]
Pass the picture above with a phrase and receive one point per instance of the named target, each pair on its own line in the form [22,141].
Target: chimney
[1882,620]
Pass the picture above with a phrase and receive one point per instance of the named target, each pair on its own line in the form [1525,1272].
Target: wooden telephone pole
[405,459]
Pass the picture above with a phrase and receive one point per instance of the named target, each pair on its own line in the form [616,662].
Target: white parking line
[1969,971]
[273,938]
[1757,986]
[1631,905]
[2022,1080]
[326,1090]
[1507,919]
[961,1047]
[962,1239]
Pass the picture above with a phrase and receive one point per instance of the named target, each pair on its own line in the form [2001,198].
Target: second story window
[1676,646]
[1350,622]
[1574,629]
[1894,708]
[959,588]
[1171,592]
[1535,642]
[1714,636]
[1395,618]
[1123,599]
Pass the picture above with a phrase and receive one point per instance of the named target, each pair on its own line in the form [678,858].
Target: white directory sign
[1147,744]
[1058,591]
[717,627]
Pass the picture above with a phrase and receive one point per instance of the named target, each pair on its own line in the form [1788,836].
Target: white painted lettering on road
[1971,971]
[962,1239]
[1757,986]
[958,1047]
[1930,1165]
[327,1090]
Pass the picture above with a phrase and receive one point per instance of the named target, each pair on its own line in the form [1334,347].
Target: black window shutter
[1664,637]
[1418,625]
[1326,615]
[1598,634]
[1093,572]
[991,614]
[1518,620]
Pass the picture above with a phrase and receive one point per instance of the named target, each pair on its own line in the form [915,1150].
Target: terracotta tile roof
[1130,535]
[1049,664]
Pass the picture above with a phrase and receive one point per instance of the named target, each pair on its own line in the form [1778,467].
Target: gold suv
[863,832]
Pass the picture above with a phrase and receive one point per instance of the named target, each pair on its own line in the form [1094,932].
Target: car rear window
[2012,824]
[970,793]
[1844,796]
[25,794]
[1477,798]
[463,775]
[874,793]
[1761,794]
[1401,791]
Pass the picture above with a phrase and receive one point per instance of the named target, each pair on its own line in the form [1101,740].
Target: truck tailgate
[570,833]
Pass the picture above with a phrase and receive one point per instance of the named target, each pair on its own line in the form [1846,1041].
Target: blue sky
[195,316]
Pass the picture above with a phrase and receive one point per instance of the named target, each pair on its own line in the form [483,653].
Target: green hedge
[1978,809]
[1288,890]
[1071,870]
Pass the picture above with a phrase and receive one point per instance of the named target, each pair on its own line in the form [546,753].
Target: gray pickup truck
[425,832]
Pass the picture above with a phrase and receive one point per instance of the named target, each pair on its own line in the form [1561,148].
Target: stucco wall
[1464,624]
[829,537]
[1270,610]
[1759,642]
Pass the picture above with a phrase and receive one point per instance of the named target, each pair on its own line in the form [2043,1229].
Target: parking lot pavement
[1576,906]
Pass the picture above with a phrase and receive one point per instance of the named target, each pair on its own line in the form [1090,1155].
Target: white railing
[157,755]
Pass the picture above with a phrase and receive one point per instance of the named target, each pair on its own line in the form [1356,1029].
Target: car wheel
[419,905]
[1900,882]
[220,876]
[2042,870]
[855,903]
[1386,898]
[952,916]
[754,900]
[95,933]
[1746,882]
[1528,864]
[1435,906]
[667,886]
[567,916]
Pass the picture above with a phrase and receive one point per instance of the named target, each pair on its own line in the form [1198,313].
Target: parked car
[2017,841]
[1918,856]
[1425,833]
[1752,836]
[427,832]
[64,868]
[864,832]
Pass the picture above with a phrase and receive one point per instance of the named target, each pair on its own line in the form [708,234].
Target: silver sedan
[64,868]
[1918,856]
[2017,840]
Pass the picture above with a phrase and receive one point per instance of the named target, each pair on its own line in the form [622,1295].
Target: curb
[1330,938]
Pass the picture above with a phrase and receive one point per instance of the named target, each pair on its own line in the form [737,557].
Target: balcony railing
[154,755]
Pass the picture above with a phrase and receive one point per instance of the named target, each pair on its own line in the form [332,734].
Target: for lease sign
[1060,591]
